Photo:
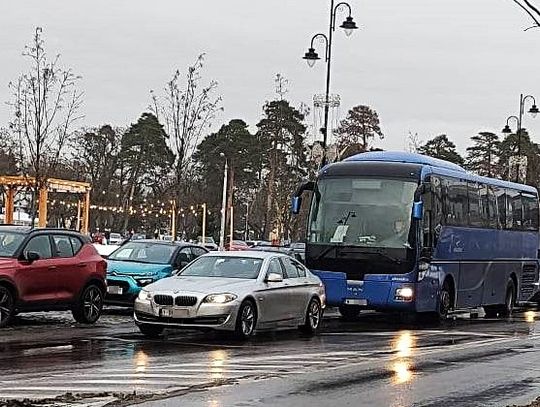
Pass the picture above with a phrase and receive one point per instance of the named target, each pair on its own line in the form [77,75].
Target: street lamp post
[223,208]
[312,57]
[519,120]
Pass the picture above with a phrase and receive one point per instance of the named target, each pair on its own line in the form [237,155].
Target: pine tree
[441,147]
[482,157]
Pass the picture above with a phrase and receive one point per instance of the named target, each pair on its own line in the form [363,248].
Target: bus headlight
[404,294]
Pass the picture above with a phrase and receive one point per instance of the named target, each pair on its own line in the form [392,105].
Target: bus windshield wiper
[326,251]
[384,253]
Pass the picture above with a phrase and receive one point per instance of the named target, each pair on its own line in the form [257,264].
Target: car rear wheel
[313,317]
[90,304]
[7,306]
[246,320]
[151,331]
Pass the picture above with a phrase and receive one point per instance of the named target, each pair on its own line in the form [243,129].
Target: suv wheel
[7,306]
[89,306]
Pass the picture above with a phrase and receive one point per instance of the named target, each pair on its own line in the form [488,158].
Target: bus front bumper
[369,294]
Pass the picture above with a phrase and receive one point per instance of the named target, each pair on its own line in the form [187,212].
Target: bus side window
[475,215]
[530,211]
[492,212]
[457,203]
[514,209]
[500,198]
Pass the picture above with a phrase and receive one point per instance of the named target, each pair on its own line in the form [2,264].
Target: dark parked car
[50,269]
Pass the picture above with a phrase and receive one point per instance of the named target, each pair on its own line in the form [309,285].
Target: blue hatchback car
[139,263]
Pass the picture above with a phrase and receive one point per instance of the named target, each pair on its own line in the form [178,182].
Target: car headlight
[145,295]
[144,281]
[220,298]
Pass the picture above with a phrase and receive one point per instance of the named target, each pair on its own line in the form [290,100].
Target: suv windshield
[224,267]
[9,243]
[142,252]
[362,212]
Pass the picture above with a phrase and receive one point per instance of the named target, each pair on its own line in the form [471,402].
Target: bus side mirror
[418,210]
[296,204]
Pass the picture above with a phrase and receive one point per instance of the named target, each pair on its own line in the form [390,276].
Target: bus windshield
[358,211]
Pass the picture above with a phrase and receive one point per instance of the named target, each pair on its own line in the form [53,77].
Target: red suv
[50,269]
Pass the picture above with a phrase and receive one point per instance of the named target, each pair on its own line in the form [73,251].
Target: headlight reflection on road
[530,316]
[402,372]
[404,344]
[218,358]
[401,368]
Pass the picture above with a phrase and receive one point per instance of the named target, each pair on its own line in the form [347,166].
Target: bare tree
[186,110]
[532,10]
[45,103]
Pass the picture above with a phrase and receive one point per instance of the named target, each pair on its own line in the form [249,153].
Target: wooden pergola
[13,183]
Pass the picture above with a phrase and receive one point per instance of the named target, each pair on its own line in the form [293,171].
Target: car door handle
[81,265]
[52,267]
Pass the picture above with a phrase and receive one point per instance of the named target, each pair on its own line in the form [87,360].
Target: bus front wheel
[445,301]
[349,312]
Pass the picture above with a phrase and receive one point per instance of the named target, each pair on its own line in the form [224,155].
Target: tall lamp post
[223,206]
[519,120]
[312,57]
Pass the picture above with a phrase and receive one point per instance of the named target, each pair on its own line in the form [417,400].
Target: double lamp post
[312,57]
[519,121]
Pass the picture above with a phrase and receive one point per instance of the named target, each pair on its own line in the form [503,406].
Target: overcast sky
[426,66]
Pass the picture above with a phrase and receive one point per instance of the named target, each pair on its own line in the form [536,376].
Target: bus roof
[435,166]
[403,157]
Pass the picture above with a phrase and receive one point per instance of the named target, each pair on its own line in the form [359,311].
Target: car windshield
[144,252]
[224,267]
[362,212]
[9,243]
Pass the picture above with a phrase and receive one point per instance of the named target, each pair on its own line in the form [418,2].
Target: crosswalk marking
[149,374]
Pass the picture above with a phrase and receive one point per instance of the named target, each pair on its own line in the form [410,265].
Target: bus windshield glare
[357,211]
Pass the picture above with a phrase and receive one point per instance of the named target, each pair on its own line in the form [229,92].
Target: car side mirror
[274,278]
[31,257]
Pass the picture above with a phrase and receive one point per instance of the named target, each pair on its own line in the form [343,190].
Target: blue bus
[403,232]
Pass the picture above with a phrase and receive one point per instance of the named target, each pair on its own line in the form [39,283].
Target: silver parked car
[241,292]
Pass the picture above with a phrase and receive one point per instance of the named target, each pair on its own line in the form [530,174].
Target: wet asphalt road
[376,361]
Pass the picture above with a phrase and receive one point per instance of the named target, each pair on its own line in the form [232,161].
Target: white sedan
[243,292]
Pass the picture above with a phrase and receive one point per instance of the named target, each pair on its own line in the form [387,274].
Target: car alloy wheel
[89,306]
[92,304]
[6,306]
[314,315]
[247,319]
[313,318]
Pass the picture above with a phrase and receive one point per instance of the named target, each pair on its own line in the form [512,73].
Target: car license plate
[356,302]
[112,289]
[165,312]
[181,313]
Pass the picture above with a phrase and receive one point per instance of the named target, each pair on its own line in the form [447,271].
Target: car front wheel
[7,306]
[89,306]
[246,320]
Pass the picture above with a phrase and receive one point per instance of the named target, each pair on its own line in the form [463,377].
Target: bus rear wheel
[506,309]
[349,312]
